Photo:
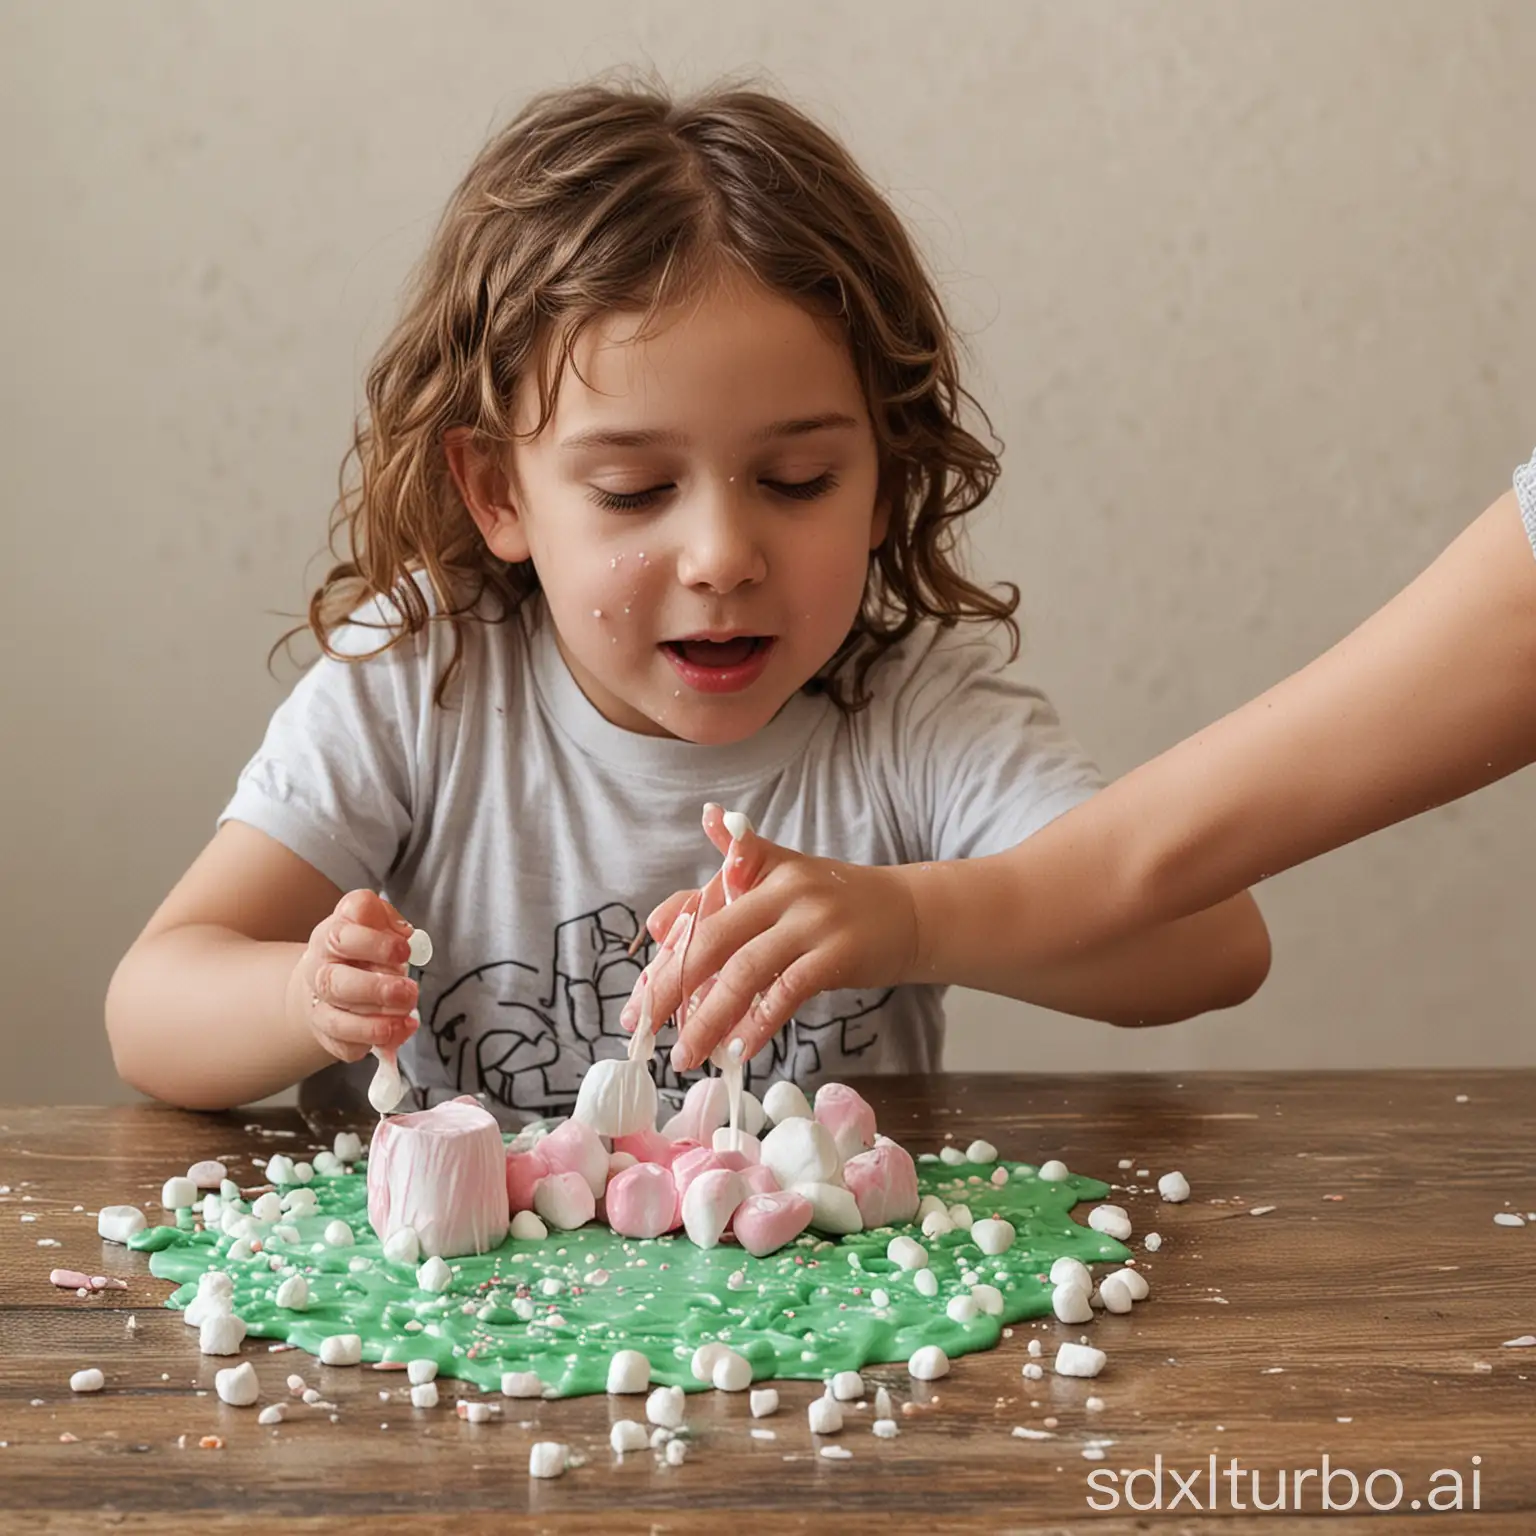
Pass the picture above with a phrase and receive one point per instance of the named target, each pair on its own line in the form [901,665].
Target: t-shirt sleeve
[334,778]
[975,759]
[1525,493]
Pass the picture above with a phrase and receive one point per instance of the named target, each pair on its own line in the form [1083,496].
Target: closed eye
[631,501]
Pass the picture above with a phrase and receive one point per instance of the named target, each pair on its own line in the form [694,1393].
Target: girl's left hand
[795,926]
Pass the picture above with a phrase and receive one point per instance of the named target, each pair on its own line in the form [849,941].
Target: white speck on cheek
[597,613]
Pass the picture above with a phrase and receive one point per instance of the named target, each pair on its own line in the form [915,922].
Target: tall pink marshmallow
[883,1183]
[847,1115]
[441,1171]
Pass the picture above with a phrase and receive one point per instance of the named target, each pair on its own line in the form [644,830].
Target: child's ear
[881,525]
[480,473]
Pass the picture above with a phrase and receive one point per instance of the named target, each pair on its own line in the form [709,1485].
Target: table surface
[1364,1318]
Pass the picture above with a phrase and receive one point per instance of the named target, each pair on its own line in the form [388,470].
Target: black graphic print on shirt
[524,1034]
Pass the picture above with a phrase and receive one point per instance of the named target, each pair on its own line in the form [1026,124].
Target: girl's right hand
[349,987]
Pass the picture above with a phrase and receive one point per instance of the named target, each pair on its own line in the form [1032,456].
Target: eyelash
[630,501]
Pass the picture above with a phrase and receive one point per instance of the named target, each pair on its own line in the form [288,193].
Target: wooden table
[1364,1317]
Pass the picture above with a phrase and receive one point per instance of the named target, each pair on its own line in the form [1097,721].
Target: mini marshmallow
[936,1224]
[207,1175]
[825,1416]
[732,1372]
[1079,1360]
[403,1246]
[528,1227]
[617,1097]
[1053,1171]
[960,1216]
[676,1453]
[981,1152]
[420,948]
[748,1146]
[1032,1371]
[268,1208]
[800,1151]
[709,1204]
[833,1208]
[424,1395]
[961,1309]
[280,1170]
[348,1146]
[929,1203]
[327,1165]
[303,1172]
[1070,1303]
[1067,1269]
[992,1235]
[178,1194]
[952,1156]
[1133,1280]
[784,1101]
[1152,1242]
[300,1201]
[434,1275]
[628,1435]
[241,1251]
[229,1191]
[665,1407]
[628,1371]
[273,1413]
[221,1334]
[886,1429]
[764,1402]
[521,1384]
[1034,1348]
[926,1283]
[293,1294]
[547,1459]
[419,1372]
[928,1364]
[338,1234]
[87,1381]
[847,1385]
[238,1385]
[1111,1220]
[473,1413]
[705,1356]
[117,1223]
[341,1349]
[618,1162]
[1173,1187]
[1115,1294]
[907,1253]
[988,1299]
[565,1200]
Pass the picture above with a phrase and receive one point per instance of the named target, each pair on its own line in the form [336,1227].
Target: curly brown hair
[602,198]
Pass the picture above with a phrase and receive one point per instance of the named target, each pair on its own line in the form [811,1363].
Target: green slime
[562,1306]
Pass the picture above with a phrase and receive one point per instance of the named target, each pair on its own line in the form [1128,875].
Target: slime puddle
[563,1305]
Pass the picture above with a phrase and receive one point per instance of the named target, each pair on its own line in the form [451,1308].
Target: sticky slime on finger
[562,1306]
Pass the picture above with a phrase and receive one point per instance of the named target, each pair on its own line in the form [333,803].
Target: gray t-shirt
[530,836]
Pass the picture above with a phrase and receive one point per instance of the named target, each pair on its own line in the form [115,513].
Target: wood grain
[1368,1327]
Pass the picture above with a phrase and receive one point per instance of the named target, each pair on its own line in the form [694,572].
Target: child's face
[715,477]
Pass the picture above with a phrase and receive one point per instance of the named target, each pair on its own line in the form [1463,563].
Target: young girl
[1430,699]
[659,488]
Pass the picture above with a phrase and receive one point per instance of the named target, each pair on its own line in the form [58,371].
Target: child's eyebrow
[661,437]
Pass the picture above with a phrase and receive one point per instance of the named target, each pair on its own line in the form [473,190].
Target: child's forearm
[198,1016]
[1430,699]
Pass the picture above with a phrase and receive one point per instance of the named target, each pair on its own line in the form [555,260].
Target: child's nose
[720,546]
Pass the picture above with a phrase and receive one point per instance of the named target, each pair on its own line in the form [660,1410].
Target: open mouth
[721,654]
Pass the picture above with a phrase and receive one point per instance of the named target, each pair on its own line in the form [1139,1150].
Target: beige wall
[1249,286]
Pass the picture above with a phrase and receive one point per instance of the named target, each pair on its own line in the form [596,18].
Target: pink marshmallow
[884,1184]
[691,1164]
[647,1147]
[765,1222]
[441,1171]
[524,1170]
[574,1147]
[759,1179]
[749,1148]
[709,1204]
[564,1200]
[705,1109]
[642,1201]
[847,1115]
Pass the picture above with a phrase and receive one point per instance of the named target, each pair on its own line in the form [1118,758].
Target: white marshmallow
[883,1408]
[424,1395]
[280,1169]
[1053,1171]
[961,1309]
[341,1349]
[833,1208]
[521,1384]
[1111,1220]
[293,1294]
[87,1381]
[993,1235]
[628,1435]
[547,1458]
[1032,1371]
[676,1452]
[1115,1294]
[387,1087]
[403,1246]
[238,1385]
[764,1402]
[434,1275]
[732,1372]
[207,1174]
[178,1194]
[702,1365]
[419,1372]
[420,948]
[628,1371]
[1173,1187]
[709,1204]
[886,1429]
[1069,1301]
[221,1334]
[268,1208]
[926,1283]
[927,1205]
[474,1413]
[273,1413]
[953,1156]
[936,1224]
[928,1364]
[301,1201]
[1067,1269]
[1079,1360]
[348,1146]
[528,1228]
[801,1151]
[665,1407]
[907,1252]
[117,1223]
[847,1386]
[737,824]
[988,1299]
[1133,1280]
[825,1416]
[1152,1241]
[328,1165]
[338,1234]
[981,1152]
[960,1216]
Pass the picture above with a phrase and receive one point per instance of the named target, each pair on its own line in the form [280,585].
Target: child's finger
[372,911]
[359,991]
[352,941]
[754,997]
[352,1035]
[713,942]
